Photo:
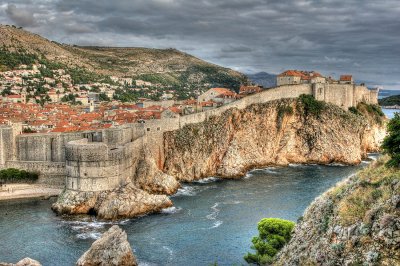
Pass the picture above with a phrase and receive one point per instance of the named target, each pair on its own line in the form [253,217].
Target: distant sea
[390,112]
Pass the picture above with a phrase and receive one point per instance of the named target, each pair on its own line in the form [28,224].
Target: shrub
[391,143]
[354,110]
[12,175]
[274,233]
[311,106]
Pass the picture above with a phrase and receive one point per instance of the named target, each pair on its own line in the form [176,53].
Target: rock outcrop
[125,202]
[112,249]
[275,133]
[150,178]
[357,222]
[23,262]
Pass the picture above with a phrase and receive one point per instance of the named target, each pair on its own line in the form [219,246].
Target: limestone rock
[28,262]
[130,201]
[23,262]
[125,202]
[152,179]
[112,249]
[230,144]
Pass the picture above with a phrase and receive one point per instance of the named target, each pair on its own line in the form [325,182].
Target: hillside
[390,101]
[357,222]
[165,66]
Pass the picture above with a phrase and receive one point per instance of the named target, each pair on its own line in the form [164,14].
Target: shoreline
[10,192]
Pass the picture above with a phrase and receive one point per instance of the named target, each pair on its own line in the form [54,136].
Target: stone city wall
[101,159]
[94,166]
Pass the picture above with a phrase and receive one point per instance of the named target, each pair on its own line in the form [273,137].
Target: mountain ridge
[173,66]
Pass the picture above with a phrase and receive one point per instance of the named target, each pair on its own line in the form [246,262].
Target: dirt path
[22,191]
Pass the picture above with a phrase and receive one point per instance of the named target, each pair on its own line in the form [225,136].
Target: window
[148,129]
[158,129]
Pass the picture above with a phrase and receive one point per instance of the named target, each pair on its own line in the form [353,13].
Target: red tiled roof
[346,77]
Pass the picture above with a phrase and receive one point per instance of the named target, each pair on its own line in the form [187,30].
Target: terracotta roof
[346,78]
[222,90]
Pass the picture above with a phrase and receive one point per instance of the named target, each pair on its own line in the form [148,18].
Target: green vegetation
[391,143]
[310,105]
[354,110]
[11,60]
[125,95]
[82,76]
[374,186]
[71,98]
[103,97]
[390,101]
[371,110]
[28,130]
[12,175]
[274,233]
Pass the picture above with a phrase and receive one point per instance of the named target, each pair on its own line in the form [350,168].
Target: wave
[270,170]
[207,180]
[233,202]
[90,228]
[171,210]
[92,235]
[185,191]
[216,224]
[213,216]
[248,175]
[336,164]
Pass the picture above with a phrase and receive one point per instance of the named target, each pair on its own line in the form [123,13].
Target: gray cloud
[331,36]
[19,16]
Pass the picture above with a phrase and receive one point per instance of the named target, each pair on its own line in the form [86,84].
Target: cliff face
[357,222]
[275,133]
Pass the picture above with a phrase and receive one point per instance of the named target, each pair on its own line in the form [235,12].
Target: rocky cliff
[357,222]
[275,133]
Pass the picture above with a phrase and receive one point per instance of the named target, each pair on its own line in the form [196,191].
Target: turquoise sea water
[211,221]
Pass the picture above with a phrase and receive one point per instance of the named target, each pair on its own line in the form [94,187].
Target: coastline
[27,191]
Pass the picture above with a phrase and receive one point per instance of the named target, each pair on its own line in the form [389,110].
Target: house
[14,99]
[346,79]
[218,95]
[292,77]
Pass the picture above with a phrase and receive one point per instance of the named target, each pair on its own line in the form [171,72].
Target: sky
[359,37]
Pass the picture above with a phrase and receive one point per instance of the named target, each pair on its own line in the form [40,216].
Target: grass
[373,186]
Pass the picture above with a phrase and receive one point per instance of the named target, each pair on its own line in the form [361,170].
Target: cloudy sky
[331,36]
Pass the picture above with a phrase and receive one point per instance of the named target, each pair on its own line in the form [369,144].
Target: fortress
[104,159]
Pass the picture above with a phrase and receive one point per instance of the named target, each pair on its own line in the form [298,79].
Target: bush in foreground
[311,105]
[12,175]
[391,143]
[274,233]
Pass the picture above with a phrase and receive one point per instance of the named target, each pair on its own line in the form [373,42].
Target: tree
[391,143]
[274,233]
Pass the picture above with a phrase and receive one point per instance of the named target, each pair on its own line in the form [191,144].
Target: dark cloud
[19,16]
[331,36]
